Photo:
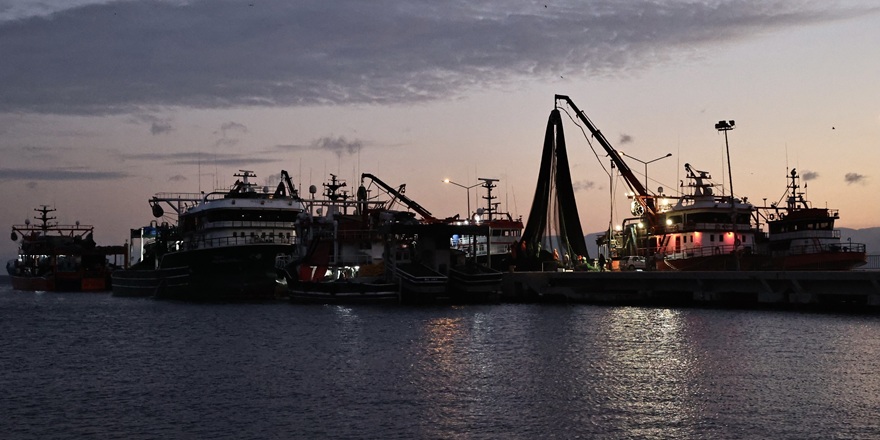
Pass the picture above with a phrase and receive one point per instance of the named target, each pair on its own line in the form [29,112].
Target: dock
[858,290]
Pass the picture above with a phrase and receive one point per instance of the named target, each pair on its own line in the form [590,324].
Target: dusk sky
[104,103]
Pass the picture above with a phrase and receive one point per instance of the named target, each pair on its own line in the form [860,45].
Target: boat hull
[821,261]
[66,283]
[723,262]
[420,284]
[474,283]
[231,273]
[344,292]
[147,282]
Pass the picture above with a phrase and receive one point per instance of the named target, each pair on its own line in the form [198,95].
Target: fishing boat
[493,249]
[340,248]
[57,257]
[802,237]
[228,243]
[705,231]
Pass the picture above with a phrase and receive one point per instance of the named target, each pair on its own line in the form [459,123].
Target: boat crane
[398,194]
[645,200]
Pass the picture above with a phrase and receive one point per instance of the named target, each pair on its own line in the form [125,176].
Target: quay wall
[858,290]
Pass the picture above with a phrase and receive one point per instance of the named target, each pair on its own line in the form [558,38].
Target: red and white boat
[802,237]
[704,231]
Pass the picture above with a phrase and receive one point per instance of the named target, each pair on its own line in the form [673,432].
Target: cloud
[232,126]
[59,174]
[625,139]
[32,185]
[851,178]
[139,55]
[157,125]
[340,146]
[810,175]
[177,178]
[583,185]
[197,158]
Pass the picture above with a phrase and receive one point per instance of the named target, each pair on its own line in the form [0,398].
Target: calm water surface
[91,365]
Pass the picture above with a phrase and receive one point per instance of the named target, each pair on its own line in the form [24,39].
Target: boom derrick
[642,196]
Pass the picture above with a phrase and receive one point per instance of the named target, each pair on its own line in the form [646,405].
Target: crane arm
[410,203]
[644,198]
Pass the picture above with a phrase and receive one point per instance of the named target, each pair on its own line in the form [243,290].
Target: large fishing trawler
[56,257]
[227,244]
[340,250]
[705,231]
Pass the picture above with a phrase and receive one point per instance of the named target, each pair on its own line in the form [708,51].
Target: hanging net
[553,232]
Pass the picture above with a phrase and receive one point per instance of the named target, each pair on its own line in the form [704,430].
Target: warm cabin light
[730,234]
[641,225]
[669,222]
[618,228]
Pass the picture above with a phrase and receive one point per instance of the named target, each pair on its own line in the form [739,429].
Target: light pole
[726,126]
[468,189]
[646,164]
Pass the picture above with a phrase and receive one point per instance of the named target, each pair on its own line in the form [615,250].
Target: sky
[105,103]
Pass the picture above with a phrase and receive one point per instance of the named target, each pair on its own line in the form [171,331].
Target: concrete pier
[857,290]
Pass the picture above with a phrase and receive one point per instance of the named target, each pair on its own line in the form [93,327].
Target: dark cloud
[38,174]
[340,146]
[583,185]
[160,127]
[810,175]
[232,126]
[625,139]
[226,131]
[132,55]
[157,125]
[177,178]
[32,185]
[851,178]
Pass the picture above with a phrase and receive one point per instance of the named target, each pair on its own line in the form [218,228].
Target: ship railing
[249,225]
[825,248]
[706,251]
[240,240]
[810,233]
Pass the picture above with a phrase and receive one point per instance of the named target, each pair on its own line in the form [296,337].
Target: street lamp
[726,126]
[468,189]
[646,164]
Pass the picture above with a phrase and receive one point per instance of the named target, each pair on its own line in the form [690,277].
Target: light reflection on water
[94,365]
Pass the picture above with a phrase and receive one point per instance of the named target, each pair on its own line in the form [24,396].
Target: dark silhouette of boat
[56,257]
[226,245]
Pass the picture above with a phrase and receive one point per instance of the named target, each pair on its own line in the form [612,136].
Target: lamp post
[726,126]
[646,164]
[468,189]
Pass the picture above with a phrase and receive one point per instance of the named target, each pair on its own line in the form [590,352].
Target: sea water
[89,365]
